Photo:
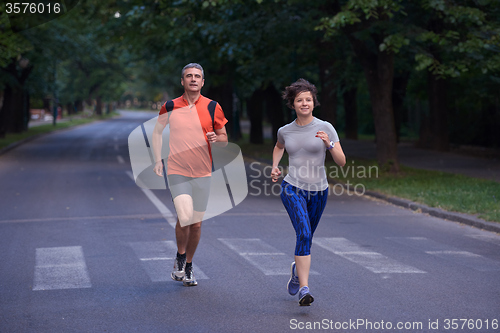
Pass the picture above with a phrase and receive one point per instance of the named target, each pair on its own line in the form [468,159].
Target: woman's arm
[278,151]
[336,152]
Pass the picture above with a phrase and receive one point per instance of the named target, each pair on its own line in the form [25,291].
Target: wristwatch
[332,144]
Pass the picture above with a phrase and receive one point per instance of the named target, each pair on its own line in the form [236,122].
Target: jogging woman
[304,190]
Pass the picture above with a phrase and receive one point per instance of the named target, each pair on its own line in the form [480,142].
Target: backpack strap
[211,110]
[169,105]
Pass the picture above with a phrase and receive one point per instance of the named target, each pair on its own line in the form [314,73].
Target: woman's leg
[303,265]
[296,206]
[315,207]
[316,204]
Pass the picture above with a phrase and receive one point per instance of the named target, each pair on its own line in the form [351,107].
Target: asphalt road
[84,249]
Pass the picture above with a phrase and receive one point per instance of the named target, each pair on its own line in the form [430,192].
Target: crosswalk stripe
[373,261]
[157,259]
[60,268]
[266,258]
[446,252]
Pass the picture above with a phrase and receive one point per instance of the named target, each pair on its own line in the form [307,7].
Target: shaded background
[415,70]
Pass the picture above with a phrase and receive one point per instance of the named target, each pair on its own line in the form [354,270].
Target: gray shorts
[196,188]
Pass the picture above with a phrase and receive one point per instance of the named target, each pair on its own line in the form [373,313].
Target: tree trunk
[424,133]
[79,106]
[274,110]
[70,108]
[26,109]
[15,109]
[398,98]
[12,118]
[438,111]
[237,109]
[254,110]
[379,71]
[5,111]
[224,96]
[493,118]
[351,113]
[98,106]
[328,97]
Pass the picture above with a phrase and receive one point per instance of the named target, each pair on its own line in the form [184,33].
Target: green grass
[448,191]
[11,138]
[451,192]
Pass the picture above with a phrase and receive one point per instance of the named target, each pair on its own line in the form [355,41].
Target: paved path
[84,249]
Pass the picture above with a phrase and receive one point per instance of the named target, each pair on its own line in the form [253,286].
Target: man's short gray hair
[193,65]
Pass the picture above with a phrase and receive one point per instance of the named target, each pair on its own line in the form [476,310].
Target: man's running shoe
[305,298]
[293,284]
[189,279]
[179,268]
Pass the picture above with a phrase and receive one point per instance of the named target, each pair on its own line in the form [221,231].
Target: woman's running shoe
[305,298]
[293,284]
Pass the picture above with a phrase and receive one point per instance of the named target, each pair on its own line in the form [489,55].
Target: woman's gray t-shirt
[306,153]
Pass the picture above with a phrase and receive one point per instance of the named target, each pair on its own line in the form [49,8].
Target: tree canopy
[390,67]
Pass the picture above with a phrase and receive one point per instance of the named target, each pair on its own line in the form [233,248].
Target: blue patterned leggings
[305,209]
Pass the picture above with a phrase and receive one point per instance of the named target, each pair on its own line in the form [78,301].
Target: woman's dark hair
[296,88]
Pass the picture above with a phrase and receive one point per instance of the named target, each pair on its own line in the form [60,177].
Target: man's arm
[157,143]
[220,135]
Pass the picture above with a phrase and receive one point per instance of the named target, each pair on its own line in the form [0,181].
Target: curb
[18,143]
[436,212]
[418,207]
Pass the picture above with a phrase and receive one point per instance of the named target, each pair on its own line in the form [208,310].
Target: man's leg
[183,204]
[187,233]
[193,238]
[184,207]
[193,235]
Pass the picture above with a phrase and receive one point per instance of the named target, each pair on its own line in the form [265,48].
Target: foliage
[111,48]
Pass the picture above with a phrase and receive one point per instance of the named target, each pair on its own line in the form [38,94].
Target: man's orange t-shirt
[190,153]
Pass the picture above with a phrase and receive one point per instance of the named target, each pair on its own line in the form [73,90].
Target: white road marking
[449,253]
[495,239]
[60,268]
[120,159]
[164,211]
[263,256]
[454,253]
[84,218]
[373,261]
[157,260]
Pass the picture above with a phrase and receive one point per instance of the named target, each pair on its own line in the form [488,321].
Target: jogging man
[195,123]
